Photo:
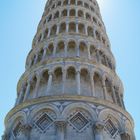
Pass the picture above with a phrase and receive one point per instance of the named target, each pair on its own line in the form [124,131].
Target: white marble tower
[70,90]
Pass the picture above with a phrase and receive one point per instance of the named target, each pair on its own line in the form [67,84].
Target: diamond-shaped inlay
[78,121]
[111,128]
[44,121]
[17,129]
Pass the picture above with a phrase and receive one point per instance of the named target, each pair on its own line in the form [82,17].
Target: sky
[18,24]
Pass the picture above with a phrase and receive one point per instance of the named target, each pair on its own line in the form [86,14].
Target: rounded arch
[72,12]
[71,49]
[83,49]
[80,13]
[72,27]
[81,106]
[98,86]
[62,28]
[56,15]
[90,31]
[64,13]
[60,50]
[53,30]
[81,28]
[42,108]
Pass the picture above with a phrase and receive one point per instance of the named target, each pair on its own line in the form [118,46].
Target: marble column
[20,96]
[44,53]
[92,84]
[61,127]
[49,82]
[37,85]
[114,95]
[78,82]
[98,130]
[77,30]
[36,57]
[104,89]
[64,80]
[27,92]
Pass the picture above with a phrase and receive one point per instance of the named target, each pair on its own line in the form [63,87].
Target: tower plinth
[70,89]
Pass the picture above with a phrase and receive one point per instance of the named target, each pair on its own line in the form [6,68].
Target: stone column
[36,57]
[86,30]
[88,49]
[44,53]
[58,27]
[114,95]
[66,46]
[92,84]
[49,82]
[78,81]
[98,57]
[67,27]
[78,53]
[104,89]
[98,130]
[77,30]
[60,126]
[27,92]
[37,85]
[64,80]
[20,96]
[49,32]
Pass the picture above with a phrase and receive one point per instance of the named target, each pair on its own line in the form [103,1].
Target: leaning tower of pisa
[70,90]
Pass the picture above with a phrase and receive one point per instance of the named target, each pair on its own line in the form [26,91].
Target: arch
[90,31]
[57,83]
[83,50]
[108,85]
[81,28]
[59,3]
[72,27]
[80,3]
[71,81]
[82,106]
[53,30]
[80,13]
[72,2]
[72,12]
[46,33]
[62,28]
[98,36]
[50,49]
[71,50]
[65,2]
[64,13]
[98,87]
[88,16]
[56,15]
[93,53]
[49,17]
[32,86]
[85,82]
[86,5]
[40,55]
[71,73]
[60,51]
[94,20]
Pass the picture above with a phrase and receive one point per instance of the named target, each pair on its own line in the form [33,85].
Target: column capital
[60,123]
[98,126]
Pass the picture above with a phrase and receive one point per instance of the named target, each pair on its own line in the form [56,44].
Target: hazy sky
[18,23]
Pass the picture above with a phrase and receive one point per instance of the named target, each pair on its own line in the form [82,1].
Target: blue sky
[18,23]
